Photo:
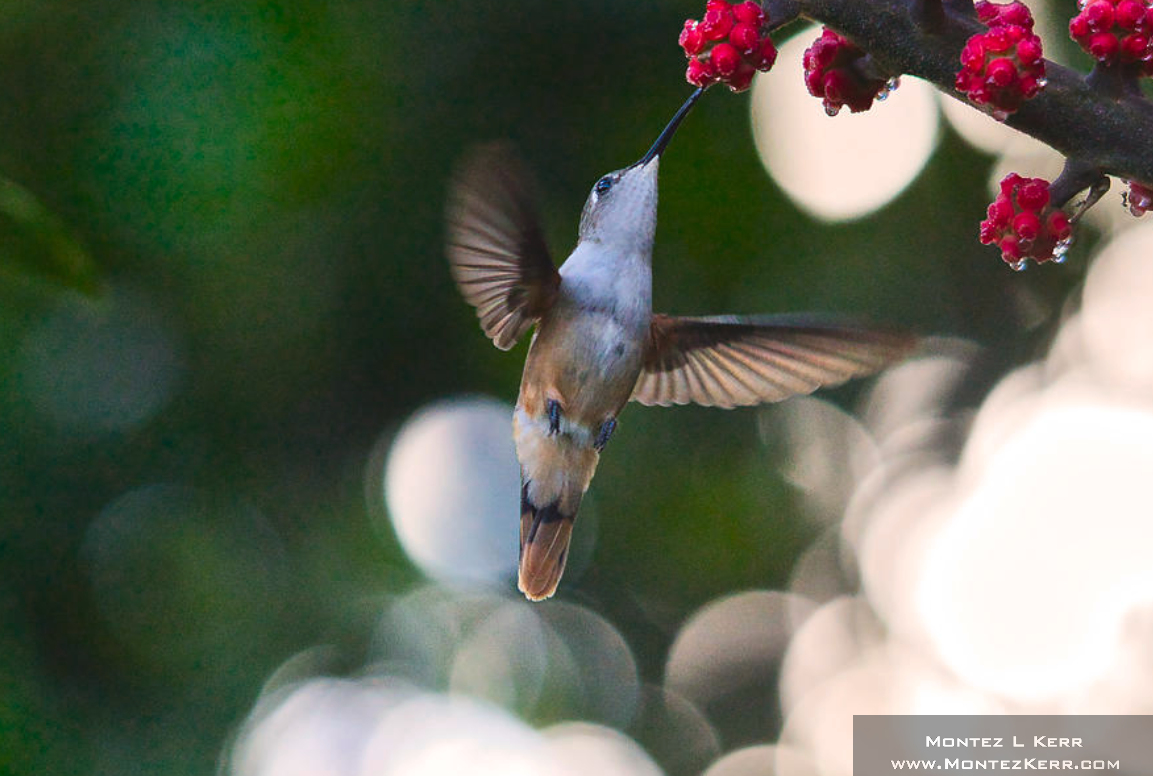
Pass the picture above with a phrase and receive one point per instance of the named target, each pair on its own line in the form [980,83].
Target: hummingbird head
[621,210]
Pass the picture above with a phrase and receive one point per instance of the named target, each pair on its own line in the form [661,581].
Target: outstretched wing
[729,361]
[496,249]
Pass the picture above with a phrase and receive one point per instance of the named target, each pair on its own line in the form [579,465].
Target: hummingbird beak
[668,132]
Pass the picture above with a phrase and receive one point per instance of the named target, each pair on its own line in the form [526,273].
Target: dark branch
[1102,128]
[1075,178]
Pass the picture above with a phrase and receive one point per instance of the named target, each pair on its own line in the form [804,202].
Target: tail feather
[545,533]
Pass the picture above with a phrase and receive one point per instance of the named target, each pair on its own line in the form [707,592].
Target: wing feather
[496,249]
[729,361]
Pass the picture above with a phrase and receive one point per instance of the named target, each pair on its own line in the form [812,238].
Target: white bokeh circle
[849,165]
[1027,585]
[452,491]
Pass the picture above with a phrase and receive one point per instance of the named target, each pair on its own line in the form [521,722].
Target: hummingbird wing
[730,361]
[496,249]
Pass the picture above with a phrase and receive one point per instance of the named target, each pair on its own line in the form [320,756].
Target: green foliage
[36,243]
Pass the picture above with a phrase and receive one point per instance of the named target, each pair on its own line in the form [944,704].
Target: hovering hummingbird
[598,343]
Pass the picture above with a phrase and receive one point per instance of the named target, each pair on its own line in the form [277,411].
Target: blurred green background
[222,282]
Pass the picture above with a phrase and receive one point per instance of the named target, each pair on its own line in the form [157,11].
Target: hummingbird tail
[544,540]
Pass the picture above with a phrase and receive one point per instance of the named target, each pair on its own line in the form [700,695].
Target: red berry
[1128,14]
[717,21]
[1022,226]
[1001,72]
[1059,225]
[1010,247]
[1029,51]
[745,37]
[743,77]
[1099,14]
[699,73]
[1134,47]
[1112,30]
[691,40]
[725,58]
[726,45]
[1017,14]
[821,54]
[1010,183]
[1033,194]
[1001,212]
[997,40]
[835,86]
[768,55]
[749,13]
[1030,86]
[1139,198]
[1102,46]
[995,14]
[1004,66]
[1027,225]
[973,55]
[832,72]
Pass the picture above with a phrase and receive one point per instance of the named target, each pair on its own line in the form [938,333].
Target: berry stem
[1114,81]
[1077,176]
[1121,137]
[1099,189]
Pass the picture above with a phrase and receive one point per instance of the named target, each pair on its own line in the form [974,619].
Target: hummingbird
[598,344]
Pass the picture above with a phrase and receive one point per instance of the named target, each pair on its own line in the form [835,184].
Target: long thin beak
[668,132]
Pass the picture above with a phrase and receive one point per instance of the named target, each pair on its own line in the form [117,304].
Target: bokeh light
[725,643]
[587,748]
[505,658]
[1020,597]
[1116,323]
[536,661]
[607,684]
[185,575]
[824,442]
[432,735]
[980,129]
[94,367]
[563,661]
[763,760]
[846,167]
[320,727]
[675,732]
[453,492]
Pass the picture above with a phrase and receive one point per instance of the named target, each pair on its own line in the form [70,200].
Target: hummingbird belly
[588,363]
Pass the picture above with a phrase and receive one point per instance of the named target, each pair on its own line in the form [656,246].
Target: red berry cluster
[1023,225]
[1139,199]
[1003,67]
[726,45]
[833,72]
[1116,30]
[997,14]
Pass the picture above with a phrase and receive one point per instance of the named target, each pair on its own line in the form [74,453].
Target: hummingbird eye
[603,185]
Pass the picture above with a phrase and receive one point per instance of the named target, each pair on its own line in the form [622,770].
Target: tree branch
[1099,127]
